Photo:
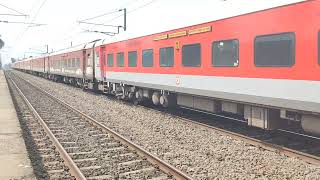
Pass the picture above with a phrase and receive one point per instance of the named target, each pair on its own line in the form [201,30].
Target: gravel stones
[45,159]
[79,137]
[201,153]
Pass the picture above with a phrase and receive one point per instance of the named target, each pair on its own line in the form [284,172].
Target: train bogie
[168,100]
[156,97]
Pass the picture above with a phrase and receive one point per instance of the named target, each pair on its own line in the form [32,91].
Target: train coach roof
[70,49]
[28,59]
[79,47]
[31,58]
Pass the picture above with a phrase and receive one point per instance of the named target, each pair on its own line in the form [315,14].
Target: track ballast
[219,153]
[96,151]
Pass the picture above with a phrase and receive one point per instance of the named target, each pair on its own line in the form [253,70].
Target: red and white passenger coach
[264,66]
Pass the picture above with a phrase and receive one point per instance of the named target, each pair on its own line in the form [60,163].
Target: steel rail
[164,166]
[74,169]
[255,142]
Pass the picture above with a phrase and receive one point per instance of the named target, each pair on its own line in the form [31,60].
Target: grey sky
[145,17]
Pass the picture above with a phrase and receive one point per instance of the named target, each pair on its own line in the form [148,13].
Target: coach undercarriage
[257,116]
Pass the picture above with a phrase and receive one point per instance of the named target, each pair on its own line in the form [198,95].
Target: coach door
[103,62]
[88,64]
[97,65]
[46,65]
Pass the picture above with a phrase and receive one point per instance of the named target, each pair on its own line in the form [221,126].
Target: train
[263,66]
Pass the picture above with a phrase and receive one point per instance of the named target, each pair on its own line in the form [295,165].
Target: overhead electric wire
[112,12]
[18,22]
[71,35]
[12,9]
[142,6]
[101,15]
[108,13]
[135,9]
[128,3]
[37,13]
[121,10]
[97,24]
[13,14]
[105,14]
[34,17]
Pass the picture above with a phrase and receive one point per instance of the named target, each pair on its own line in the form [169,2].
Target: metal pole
[125,19]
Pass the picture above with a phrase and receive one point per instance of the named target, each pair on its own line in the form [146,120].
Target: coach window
[110,60]
[275,50]
[225,53]
[132,59]
[120,59]
[166,57]
[69,63]
[78,62]
[73,62]
[147,58]
[191,55]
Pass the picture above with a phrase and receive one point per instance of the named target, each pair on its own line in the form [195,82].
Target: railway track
[89,149]
[291,144]
[45,158]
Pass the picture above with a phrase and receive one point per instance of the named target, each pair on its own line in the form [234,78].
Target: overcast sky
[144,17]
